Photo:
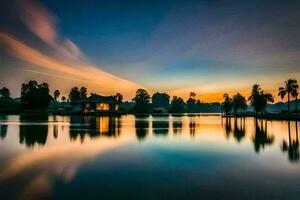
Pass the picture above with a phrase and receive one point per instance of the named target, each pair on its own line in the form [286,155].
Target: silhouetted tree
[191,103]
[295,94]
[227,104]
[160,100]
[83,92]
[142,101]
[267,98]
[119,98]
[291,87]
[56,94]
[259,99]
[239,103]
[74,95]
[4,93]
[177,105]
[256,99]
[34,95]
[63,99]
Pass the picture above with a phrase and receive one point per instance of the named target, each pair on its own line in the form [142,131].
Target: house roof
[99,99]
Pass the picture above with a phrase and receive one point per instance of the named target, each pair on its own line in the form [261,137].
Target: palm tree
[295,94]
[227,104]
[256,98]
[267,98]
[291,88]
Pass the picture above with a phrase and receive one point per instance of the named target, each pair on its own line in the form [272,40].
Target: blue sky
[175,46]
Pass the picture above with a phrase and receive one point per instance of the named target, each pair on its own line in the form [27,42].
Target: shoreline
[268,116]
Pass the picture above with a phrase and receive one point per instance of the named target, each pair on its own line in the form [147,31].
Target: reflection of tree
[292,147]
[55,127]
[228,126]
[33,134]
[177,125]
[3,127]
[261,138]
[239,131]
[160,127]
[192,126]
[141,128]
[81,126]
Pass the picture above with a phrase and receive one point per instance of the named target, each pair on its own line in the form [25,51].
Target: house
[96,104]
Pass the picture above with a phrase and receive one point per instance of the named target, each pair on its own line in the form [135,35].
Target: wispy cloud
[106,82]
[65,59]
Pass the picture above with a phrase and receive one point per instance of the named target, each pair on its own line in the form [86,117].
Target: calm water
[188,157]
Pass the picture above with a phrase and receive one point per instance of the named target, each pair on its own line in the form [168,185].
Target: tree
[4,93]
[142,101]
[227,104]
[290,88]
[192,95]
[177,105]
[34,95]
[191,103]
[74,95]
[239,103]
[295,94]
[83,93]
[56,94]
[160,100]
[119,98]
[256,99]
[267,98]
[63,99]
[260,99]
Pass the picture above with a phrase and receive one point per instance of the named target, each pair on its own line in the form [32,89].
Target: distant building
[96,104]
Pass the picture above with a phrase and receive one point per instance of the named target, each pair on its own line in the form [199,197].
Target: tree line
[37,96]
[259,99]
[161,102]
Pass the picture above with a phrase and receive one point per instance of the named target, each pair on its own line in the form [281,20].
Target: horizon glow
[178,47]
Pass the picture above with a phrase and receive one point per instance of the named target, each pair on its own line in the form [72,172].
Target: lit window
[102,106]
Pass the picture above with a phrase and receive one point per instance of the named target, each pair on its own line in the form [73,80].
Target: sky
[178,47]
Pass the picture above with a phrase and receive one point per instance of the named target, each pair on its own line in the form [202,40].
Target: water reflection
[3,127]
[238,131]
[85,152]
[192,126]
[92,126]
[261,137]
[177,125]
[142,128]
[227,126]
[292,146]
[32,134]
[161,126]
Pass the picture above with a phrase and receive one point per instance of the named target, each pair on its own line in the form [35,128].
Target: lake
[153,157]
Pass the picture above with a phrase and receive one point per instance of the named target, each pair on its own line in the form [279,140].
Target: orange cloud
[105,82]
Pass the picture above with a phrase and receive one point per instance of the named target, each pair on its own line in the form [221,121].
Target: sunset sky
[208,47]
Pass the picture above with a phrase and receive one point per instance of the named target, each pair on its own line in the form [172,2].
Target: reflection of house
[96,104]
[160,109]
